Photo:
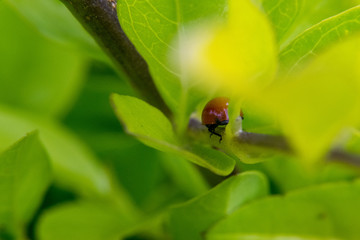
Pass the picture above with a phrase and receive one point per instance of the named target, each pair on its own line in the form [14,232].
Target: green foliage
[54,21]
[32,78]
[25,174]
[325,211]
[291,66]
[144,121]
[291,19]
[185,175]
[84,220]
[322,35]
[191,219]
[83,175]
[283,14]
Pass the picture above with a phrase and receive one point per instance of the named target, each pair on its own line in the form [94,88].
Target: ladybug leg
[219,135]
[211,129]
[220,139]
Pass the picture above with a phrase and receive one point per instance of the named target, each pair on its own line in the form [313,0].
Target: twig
[338,155]
[264,140]
[279,143]
[99,18]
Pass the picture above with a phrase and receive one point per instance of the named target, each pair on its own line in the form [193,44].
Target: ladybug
[214,114]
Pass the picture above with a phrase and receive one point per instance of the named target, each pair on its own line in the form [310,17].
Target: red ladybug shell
[215,111]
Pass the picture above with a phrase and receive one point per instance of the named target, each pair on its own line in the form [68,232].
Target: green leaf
[25,174]
[319,37]
[208,157]
[55,21]
[291,18]
[321,212]
[36,74]
[74,164]
[84,220]
[143,121]
[152,128]
[321,101]
[282,14]
[191,219]
[315,11]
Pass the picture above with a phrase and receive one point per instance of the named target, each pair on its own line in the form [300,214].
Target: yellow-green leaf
[282,14]
[314,106]
[237,56]
[319,37]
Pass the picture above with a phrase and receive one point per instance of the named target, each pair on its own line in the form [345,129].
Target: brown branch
[338,155]
[99,18]
[264,140]
[279,143]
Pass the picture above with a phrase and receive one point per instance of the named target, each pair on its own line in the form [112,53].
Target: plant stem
[99,18]
[279,143]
